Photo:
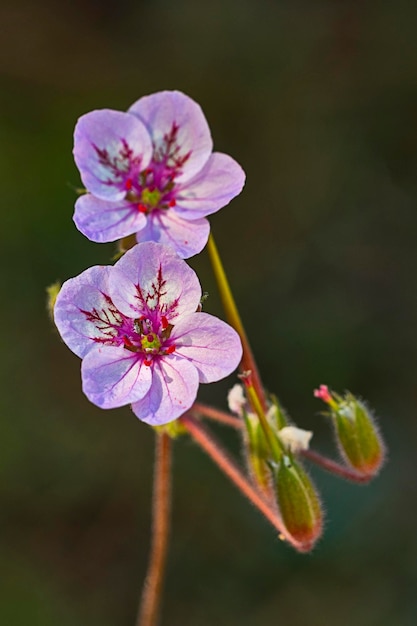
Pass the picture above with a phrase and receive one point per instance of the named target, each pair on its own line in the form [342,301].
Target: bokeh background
[318,102]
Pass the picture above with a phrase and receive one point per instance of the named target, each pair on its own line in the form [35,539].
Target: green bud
[257,451]
[173,429]
[298,502]
[357,436]
[52,292]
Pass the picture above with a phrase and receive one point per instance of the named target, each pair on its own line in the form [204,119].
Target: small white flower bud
[295,439]
[236,399]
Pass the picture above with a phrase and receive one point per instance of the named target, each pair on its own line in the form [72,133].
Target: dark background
[318,102]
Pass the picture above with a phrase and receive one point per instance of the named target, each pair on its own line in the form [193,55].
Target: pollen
[142,208]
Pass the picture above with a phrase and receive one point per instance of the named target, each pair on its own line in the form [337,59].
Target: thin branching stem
[336,468]
[161,512]
[217,415]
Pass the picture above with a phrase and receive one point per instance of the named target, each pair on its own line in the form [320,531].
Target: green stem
[161,509]
[248,361]
[272,441]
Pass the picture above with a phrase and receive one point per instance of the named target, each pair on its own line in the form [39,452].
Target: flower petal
[110,147]
[174,389]
[161,111]
[220,180]
[113,377]
[151,276]
[187,237]
[103,221]
[78,296]
[209,343]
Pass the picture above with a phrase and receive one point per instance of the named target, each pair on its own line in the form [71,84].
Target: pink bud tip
[323,393]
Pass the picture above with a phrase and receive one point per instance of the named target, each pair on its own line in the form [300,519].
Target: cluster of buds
[274,448]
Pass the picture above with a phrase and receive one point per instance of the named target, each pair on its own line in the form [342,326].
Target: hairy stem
[214,449]
[336,468]
[217,415]
[161,509]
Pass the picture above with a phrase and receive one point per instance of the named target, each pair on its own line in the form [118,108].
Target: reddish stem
[210,445]
[336,468]
[217,415]
[161,509]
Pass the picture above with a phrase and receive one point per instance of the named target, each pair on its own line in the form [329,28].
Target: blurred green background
[318,102]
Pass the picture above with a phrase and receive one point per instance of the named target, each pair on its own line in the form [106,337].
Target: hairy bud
[357,435]
[298,502]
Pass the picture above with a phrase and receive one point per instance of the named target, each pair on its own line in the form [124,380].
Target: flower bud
[357,435]
[298,502]
[52,292]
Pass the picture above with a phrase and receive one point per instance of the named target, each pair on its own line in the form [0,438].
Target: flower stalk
[161,511]
[272,441]
[333,467]
[248,362]
[217,415]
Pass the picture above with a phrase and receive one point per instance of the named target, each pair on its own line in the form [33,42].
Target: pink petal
[104,221]
[174,389]
[154,268]
[186,237]
[113,132]
[113,377]
[210,344]
[82,293]
[161,110]
[220,180]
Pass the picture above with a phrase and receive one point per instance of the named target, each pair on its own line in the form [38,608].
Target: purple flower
[142,341]
[151,171]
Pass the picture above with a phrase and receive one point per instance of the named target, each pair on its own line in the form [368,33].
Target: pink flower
[151,171]
[142,342]
[324,394]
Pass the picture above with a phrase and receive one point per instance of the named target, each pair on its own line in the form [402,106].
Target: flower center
[142,339]
[150,343]
[150,192]
[153,189]
[151,197]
